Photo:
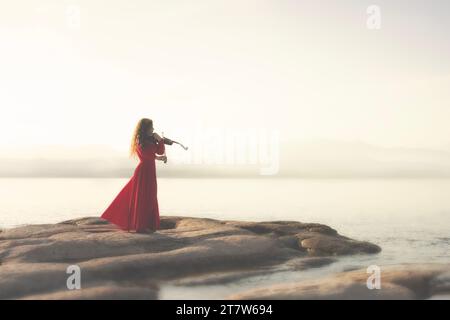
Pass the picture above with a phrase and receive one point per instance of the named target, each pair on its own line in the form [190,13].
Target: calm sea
[408,218]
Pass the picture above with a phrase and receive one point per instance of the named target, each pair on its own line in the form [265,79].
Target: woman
[136,206]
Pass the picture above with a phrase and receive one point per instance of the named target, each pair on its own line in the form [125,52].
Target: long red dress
[136,205]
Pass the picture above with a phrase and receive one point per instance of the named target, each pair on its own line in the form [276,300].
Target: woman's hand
[162,158]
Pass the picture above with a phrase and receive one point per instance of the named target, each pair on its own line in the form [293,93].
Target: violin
[167,141]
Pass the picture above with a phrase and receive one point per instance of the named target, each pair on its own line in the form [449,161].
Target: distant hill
[315,159]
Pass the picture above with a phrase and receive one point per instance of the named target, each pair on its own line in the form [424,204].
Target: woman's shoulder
[148,142]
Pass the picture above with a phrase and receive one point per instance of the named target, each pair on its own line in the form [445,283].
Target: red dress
[136,205]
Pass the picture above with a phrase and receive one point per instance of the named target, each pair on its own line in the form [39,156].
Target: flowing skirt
[136,205]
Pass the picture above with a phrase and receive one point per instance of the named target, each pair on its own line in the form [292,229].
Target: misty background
[347,101]
[317,159]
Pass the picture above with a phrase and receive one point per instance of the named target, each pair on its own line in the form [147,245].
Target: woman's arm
[160,149]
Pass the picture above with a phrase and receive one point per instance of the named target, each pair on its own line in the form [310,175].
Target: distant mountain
[327,158]
[315,159]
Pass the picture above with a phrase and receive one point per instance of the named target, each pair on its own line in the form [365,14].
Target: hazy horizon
[313,159]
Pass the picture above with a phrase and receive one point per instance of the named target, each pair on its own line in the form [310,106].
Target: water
[408,218]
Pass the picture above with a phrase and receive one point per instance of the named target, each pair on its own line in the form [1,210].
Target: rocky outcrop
[117,264]
[413,281]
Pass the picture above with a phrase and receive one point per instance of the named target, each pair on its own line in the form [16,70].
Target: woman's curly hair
[140,135]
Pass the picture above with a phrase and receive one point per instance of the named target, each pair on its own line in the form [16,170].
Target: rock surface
[405,282]
[117,264]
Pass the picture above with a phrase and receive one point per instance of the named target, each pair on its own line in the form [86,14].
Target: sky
[76,73]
